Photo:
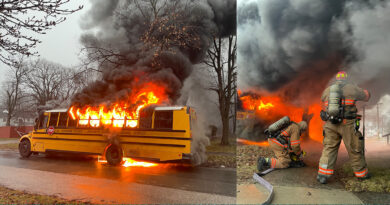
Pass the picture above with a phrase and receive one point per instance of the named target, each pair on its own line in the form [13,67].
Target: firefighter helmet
[341,75]
[302,125]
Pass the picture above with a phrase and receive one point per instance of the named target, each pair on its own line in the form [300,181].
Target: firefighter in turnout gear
[287,149]
[342,123]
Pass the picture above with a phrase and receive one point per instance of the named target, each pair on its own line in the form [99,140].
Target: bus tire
[25,148]
[114,155]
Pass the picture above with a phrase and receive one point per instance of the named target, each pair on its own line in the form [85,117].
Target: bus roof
[157,108]
[170,108]
[58,110]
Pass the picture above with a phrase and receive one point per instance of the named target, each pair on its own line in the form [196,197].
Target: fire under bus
[159,134]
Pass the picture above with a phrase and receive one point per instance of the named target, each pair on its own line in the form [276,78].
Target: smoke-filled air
[301,44]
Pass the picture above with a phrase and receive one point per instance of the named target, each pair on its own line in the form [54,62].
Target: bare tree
[168,25]
[72,82]
[46,81]
[20,18]
[221,57]
[13,93]
[165,27]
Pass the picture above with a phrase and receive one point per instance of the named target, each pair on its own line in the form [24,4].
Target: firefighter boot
[368,175]
[263,163]
[322,178]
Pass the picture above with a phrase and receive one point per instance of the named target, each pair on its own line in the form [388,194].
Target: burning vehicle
[157,133]
[260,110]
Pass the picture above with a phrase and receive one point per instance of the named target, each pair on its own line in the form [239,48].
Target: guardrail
[388,138]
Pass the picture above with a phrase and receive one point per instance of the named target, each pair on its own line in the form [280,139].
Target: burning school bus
[158,134]
[258,111]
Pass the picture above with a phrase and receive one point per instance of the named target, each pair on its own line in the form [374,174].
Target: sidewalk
[93,190]
[255,194]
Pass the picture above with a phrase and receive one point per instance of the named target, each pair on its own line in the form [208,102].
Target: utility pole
[364,120]
[377,118]
[364,129]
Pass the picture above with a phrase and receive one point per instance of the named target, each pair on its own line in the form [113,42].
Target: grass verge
[215,146]
[10,196]
[247,156]
[379,181]
[218,161]
[11,146]
[6,139]
[221,155]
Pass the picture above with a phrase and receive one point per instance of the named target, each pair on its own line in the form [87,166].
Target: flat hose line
[257,177]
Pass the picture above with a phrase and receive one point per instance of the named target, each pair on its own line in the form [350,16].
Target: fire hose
[257,177]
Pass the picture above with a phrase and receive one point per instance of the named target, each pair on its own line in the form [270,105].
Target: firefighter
[287,149]
[342,123]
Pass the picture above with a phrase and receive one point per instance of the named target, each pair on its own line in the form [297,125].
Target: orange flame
[133,163]
[128,162]
[272,108]
[121,114]
[264,106]
[248,142]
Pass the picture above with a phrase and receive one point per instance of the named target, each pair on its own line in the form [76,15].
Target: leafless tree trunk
[13,92]
[223,62]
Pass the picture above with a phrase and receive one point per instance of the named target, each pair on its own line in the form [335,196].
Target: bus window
[53,119]
[72,122]
[63,119]
[43,122]
[145,118]
[163,119]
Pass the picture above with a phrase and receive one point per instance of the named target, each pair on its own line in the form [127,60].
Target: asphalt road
[198,179]
[306,176]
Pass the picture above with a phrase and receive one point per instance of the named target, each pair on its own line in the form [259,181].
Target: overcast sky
[61,44]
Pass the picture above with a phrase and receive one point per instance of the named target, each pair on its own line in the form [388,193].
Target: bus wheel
[25,148]
[114,155]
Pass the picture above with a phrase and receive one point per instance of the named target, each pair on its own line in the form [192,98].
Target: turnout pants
[333,134]
[282,159]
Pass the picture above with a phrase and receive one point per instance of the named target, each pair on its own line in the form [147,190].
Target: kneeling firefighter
[284,140]
[342,123]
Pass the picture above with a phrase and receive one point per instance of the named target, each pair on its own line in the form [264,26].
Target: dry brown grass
[11,146]
[379,181]
[10,196]
[247,156]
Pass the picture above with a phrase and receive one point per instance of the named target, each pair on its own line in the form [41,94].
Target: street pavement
[83,178]
[299,185]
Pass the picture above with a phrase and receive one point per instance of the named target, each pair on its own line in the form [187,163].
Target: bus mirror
[36,124]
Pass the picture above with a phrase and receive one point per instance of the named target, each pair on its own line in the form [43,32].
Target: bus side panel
[181,121]
[69,142]
[160,153]
[161,145]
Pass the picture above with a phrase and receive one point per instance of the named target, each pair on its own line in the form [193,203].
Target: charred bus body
[162,134]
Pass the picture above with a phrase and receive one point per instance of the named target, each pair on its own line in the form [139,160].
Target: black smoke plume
[296,47]
[121,26]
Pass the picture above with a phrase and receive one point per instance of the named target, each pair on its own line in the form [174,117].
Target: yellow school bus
[162,134]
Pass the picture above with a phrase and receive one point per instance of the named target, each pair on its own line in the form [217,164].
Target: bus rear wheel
[114,155]
[25,148]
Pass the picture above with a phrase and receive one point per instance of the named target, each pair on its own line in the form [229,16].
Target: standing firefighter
[284,140]
[342,123]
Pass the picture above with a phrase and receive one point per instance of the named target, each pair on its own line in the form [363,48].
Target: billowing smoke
[126,34]
[299,45]
[140,42]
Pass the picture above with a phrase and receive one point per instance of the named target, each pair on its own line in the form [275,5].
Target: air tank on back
[280,124]
[334,100]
